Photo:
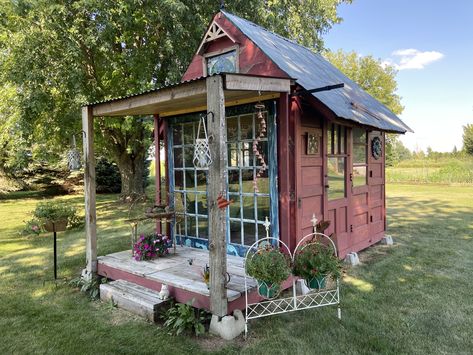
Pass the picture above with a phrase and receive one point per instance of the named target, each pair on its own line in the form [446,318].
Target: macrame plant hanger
[202,158]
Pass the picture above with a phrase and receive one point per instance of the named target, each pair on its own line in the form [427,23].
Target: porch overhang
[191,96]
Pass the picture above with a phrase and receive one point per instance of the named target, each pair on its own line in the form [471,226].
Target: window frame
[208,55]
[339,151]
[356,164]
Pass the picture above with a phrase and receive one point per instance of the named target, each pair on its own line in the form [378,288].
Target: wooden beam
[256,83]
[157,166]
[89,190]
[121,106]
[217,184]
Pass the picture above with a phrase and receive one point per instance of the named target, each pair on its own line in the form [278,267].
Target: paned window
[223,63]
[360,153]
[336,161]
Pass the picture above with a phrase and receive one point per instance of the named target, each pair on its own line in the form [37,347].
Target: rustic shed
[320,150]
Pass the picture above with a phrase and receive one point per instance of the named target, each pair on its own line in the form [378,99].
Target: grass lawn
[414,297]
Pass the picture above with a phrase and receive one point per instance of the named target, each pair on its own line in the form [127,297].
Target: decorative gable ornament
[214,32]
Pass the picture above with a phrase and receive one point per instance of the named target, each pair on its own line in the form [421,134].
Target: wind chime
[73,156]
[259,107]
[202,158]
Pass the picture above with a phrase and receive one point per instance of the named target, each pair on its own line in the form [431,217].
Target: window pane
[263,150]
[235,232]
[335,139]
[342,139]
[190,183]
[249,231]
[189,157]
[203,228]
[223,63]
[336,177]
[359,135]
[262,231]
[246,127]
[330,140]
[201,180]
[248,207]
[247,181]
[235,211]
[359,153]
[263,183]
[189,133]
[178,158]
[263,207]
[202,204]
[191,232]
[232,129]
[233,155]
[233,180]
[178,180]
[359,175]
[177,135]
[246,154]
[190,203]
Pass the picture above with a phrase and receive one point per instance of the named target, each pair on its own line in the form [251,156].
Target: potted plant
[151,246]
[54,216]
[270,267]
[314,262]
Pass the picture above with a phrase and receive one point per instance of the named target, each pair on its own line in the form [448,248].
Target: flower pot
[56,226]
[317,282]
[267,290]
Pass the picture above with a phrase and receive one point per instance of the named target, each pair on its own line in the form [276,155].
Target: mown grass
[432,171]
[412,298]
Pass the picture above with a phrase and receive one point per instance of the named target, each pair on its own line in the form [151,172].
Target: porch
[182,273]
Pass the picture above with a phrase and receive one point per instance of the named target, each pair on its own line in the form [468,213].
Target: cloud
[412,59]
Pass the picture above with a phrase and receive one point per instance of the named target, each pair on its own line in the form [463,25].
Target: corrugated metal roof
[311,71]
[168,86]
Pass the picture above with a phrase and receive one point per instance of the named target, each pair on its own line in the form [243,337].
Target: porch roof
[191,96]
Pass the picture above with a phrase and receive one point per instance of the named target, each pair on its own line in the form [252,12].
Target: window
[336,161]
[360,151]
[190,184]
[223,63]
[249,209]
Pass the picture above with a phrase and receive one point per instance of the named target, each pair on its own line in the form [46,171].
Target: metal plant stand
[295,302]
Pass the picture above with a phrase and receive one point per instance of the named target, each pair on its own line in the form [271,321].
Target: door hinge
[351,228]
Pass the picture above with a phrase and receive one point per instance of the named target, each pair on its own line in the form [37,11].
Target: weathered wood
[122,106]
[157,166]
[217,184]
[89,191]
[133,298]
[256,83]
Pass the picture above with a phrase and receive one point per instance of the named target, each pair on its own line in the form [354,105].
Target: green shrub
[54,211]
[107,177]
[268,264]
[185,318]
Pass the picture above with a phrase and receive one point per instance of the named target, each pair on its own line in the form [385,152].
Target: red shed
[290,137]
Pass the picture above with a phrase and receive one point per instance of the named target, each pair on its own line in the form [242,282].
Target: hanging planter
[202,158]
[73,156]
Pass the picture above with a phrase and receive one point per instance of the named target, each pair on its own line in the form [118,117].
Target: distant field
[430,171]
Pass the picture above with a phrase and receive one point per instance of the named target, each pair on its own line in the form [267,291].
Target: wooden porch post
[217,184]
[157,167]
[89,189]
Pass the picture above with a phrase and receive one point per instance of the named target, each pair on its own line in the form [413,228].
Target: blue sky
[431,44]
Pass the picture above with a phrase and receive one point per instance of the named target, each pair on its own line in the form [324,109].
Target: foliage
[396,151]
[268,264]
[54,211]
[56,55]
[468,138]
[107,176]
[316,259]
[90,287]
[183,317]
[151,246]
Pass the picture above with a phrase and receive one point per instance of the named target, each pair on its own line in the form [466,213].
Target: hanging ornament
[202,158]
[73,156]
[259,156]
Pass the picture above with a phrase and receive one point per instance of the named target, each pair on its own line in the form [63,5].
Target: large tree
[57,55]
[379,80]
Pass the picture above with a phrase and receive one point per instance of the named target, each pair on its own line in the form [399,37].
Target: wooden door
[310,178]
[376,184]
[336,182]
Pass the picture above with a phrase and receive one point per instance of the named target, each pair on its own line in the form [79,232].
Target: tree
[468,139]
[56,55]
[379,80]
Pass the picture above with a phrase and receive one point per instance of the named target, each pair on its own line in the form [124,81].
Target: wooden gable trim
[214,32]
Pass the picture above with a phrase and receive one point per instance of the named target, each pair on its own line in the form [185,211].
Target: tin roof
[311,71]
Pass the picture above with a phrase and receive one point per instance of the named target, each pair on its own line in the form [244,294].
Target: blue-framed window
[188,185]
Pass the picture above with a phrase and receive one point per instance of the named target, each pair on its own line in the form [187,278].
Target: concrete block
[229,327]
[387,240]
[352,259]
[301,287]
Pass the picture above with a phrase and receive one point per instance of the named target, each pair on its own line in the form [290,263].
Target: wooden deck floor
[182,272]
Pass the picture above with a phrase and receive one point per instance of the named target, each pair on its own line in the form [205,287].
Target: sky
[430,42]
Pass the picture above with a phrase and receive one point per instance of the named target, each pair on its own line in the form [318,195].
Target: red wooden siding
[251,59]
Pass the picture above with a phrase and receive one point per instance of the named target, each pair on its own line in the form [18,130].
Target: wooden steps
[134,298]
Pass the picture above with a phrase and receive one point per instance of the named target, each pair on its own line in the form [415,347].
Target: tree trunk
[132,167]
